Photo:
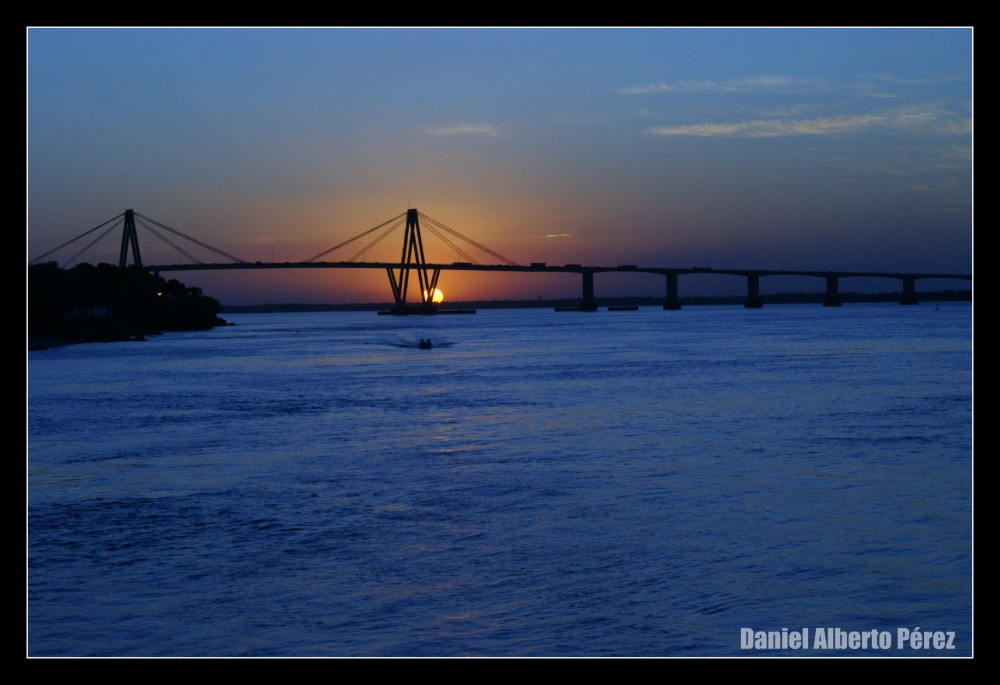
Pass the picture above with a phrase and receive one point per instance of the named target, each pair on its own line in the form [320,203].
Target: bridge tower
[413,259]
[129,239]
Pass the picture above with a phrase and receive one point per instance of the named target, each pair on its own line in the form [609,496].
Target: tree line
[105,302]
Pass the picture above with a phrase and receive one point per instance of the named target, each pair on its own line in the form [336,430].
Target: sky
[785,148]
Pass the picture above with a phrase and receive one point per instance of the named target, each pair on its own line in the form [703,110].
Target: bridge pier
[589,303]
[753,300]
[909,295]
[832,298]
[672,302]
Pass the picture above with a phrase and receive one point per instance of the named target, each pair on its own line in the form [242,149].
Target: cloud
[744,85]
[870,85]
[907,118]
[466,129]
[651,88]
[959,126]
[548,236]
[927,79]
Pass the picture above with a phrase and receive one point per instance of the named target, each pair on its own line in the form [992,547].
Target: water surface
[538,484]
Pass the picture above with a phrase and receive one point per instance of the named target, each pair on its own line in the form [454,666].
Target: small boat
[425,344]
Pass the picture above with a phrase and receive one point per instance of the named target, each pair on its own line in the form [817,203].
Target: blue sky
[758,148]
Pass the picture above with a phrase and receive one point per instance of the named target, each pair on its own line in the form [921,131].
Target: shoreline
[779,298]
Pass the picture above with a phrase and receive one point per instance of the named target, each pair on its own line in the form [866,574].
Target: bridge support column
[129,239]
[672,302]
[589,303]
[909,292]
[753,300]
[832,298]
[413,259]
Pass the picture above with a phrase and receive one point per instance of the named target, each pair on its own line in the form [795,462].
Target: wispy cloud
[918,80]
[870,85]
[960,126]
[890,86]
[743,85]
[466,130]
[908,118]
[870,90]
[549,236]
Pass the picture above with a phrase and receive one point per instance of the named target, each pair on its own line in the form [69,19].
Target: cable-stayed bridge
[412,262]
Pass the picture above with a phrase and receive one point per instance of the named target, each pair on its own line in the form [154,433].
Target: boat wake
[421,344]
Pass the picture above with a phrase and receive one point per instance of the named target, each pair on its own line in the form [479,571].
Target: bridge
[412,261]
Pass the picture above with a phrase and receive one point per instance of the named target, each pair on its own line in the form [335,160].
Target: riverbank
[779,298]
[39,343]
[106,303]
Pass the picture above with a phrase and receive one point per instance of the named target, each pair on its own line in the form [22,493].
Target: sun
[437,297]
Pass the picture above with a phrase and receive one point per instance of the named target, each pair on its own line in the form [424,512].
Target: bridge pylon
[413,259]
[129,239]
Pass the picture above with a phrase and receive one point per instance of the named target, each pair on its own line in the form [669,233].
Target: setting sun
[437,297]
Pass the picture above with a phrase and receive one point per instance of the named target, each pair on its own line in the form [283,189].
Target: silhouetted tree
[61,303]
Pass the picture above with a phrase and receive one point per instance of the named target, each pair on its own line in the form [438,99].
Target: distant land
[778,298]
[105,303]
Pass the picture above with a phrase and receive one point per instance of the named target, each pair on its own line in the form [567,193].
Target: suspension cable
[431,224]
[193,240]
[170,243]
[505,260]
[358,236]
[450,244]
[376,241]
[92,243]
[120,217]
